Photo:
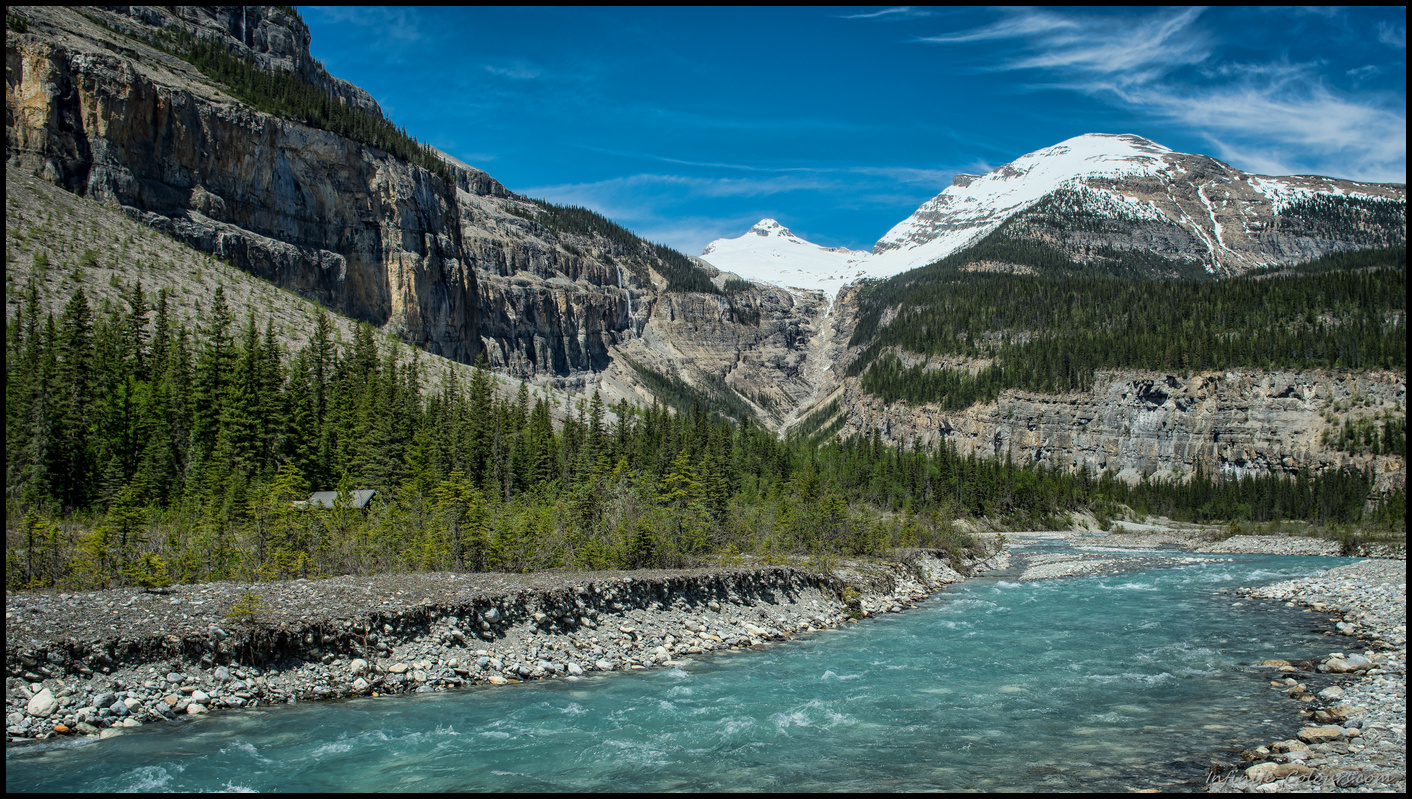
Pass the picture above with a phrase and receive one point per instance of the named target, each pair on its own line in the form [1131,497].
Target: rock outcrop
[1139,423]
[126,125]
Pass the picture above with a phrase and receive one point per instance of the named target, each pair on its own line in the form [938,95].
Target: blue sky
[686,125]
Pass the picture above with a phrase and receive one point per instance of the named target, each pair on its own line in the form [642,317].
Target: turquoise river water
[1081,684]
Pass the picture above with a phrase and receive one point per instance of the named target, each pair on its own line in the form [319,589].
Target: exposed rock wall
[373,237]
[1135,423]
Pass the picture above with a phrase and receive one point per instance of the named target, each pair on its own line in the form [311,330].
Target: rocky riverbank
[1206,540]
[94,663]
[1355,738]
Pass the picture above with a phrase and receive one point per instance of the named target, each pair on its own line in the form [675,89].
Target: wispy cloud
[1274,117]
[1126,50]
[516,70]
[1393,35]
[896,12]
[657,206]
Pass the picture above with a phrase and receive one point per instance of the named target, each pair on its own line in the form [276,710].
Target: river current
[1095,683]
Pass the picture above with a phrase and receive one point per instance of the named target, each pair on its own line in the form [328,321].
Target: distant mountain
[1119,204]
[769,253]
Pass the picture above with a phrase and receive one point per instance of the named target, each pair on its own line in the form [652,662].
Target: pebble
[1358,741]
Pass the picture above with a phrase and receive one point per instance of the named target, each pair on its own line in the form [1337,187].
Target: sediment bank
[94,663]
[1354,736]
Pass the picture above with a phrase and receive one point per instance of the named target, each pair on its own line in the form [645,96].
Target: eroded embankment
[97,661]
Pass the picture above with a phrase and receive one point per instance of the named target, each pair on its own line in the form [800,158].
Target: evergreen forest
[141,452]
[1049,333]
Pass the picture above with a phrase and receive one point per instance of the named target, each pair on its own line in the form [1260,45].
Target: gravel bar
[95,663]
[1355,738]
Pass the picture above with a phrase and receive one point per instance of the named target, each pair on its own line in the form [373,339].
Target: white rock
[42,704]
[358,667]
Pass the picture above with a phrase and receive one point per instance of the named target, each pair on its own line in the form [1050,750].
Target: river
[1101,683]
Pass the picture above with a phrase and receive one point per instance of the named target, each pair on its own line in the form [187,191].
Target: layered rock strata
[128,126]
[1141,423]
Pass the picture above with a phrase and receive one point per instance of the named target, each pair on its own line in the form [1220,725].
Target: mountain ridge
[1185,206]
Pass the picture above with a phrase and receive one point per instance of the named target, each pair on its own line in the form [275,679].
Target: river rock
[200,697]
[1269,772]
[574,669]
[42,704]
[397,668]
[358,667]
[195,709]
[221,674]
[1318,735]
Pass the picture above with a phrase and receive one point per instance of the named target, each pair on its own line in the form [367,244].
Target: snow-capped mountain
[975,205]
[1103,193]
[769,253]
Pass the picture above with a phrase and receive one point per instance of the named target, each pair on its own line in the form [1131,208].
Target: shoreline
[1353,734]
[95,663]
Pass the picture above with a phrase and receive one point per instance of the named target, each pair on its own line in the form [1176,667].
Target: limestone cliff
[126,125]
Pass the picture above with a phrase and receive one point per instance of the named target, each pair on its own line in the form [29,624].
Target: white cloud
[518,70]
[1312,130]
[896,12]
[1276,117]
[1393,35]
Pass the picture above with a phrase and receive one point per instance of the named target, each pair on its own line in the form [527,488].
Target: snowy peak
[769,227]
[769,253]
[975,205]
[1192,210]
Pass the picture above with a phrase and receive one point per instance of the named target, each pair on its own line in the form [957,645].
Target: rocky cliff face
[271,37]
[1139,423]
[125,125]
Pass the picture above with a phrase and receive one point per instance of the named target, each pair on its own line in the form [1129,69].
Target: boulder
[42,704]
[1318,735]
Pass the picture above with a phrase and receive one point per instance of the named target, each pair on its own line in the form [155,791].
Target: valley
[142,144]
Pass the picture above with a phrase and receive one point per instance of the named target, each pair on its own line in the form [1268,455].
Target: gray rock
[358,667]
[42,704]
[221,674]
[173,676]
[574,669]
[119,708]
[492,616]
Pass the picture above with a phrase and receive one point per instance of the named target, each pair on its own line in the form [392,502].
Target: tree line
[1050,334]
[141,452]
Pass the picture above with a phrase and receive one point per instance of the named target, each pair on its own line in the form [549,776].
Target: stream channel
[1098,683]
